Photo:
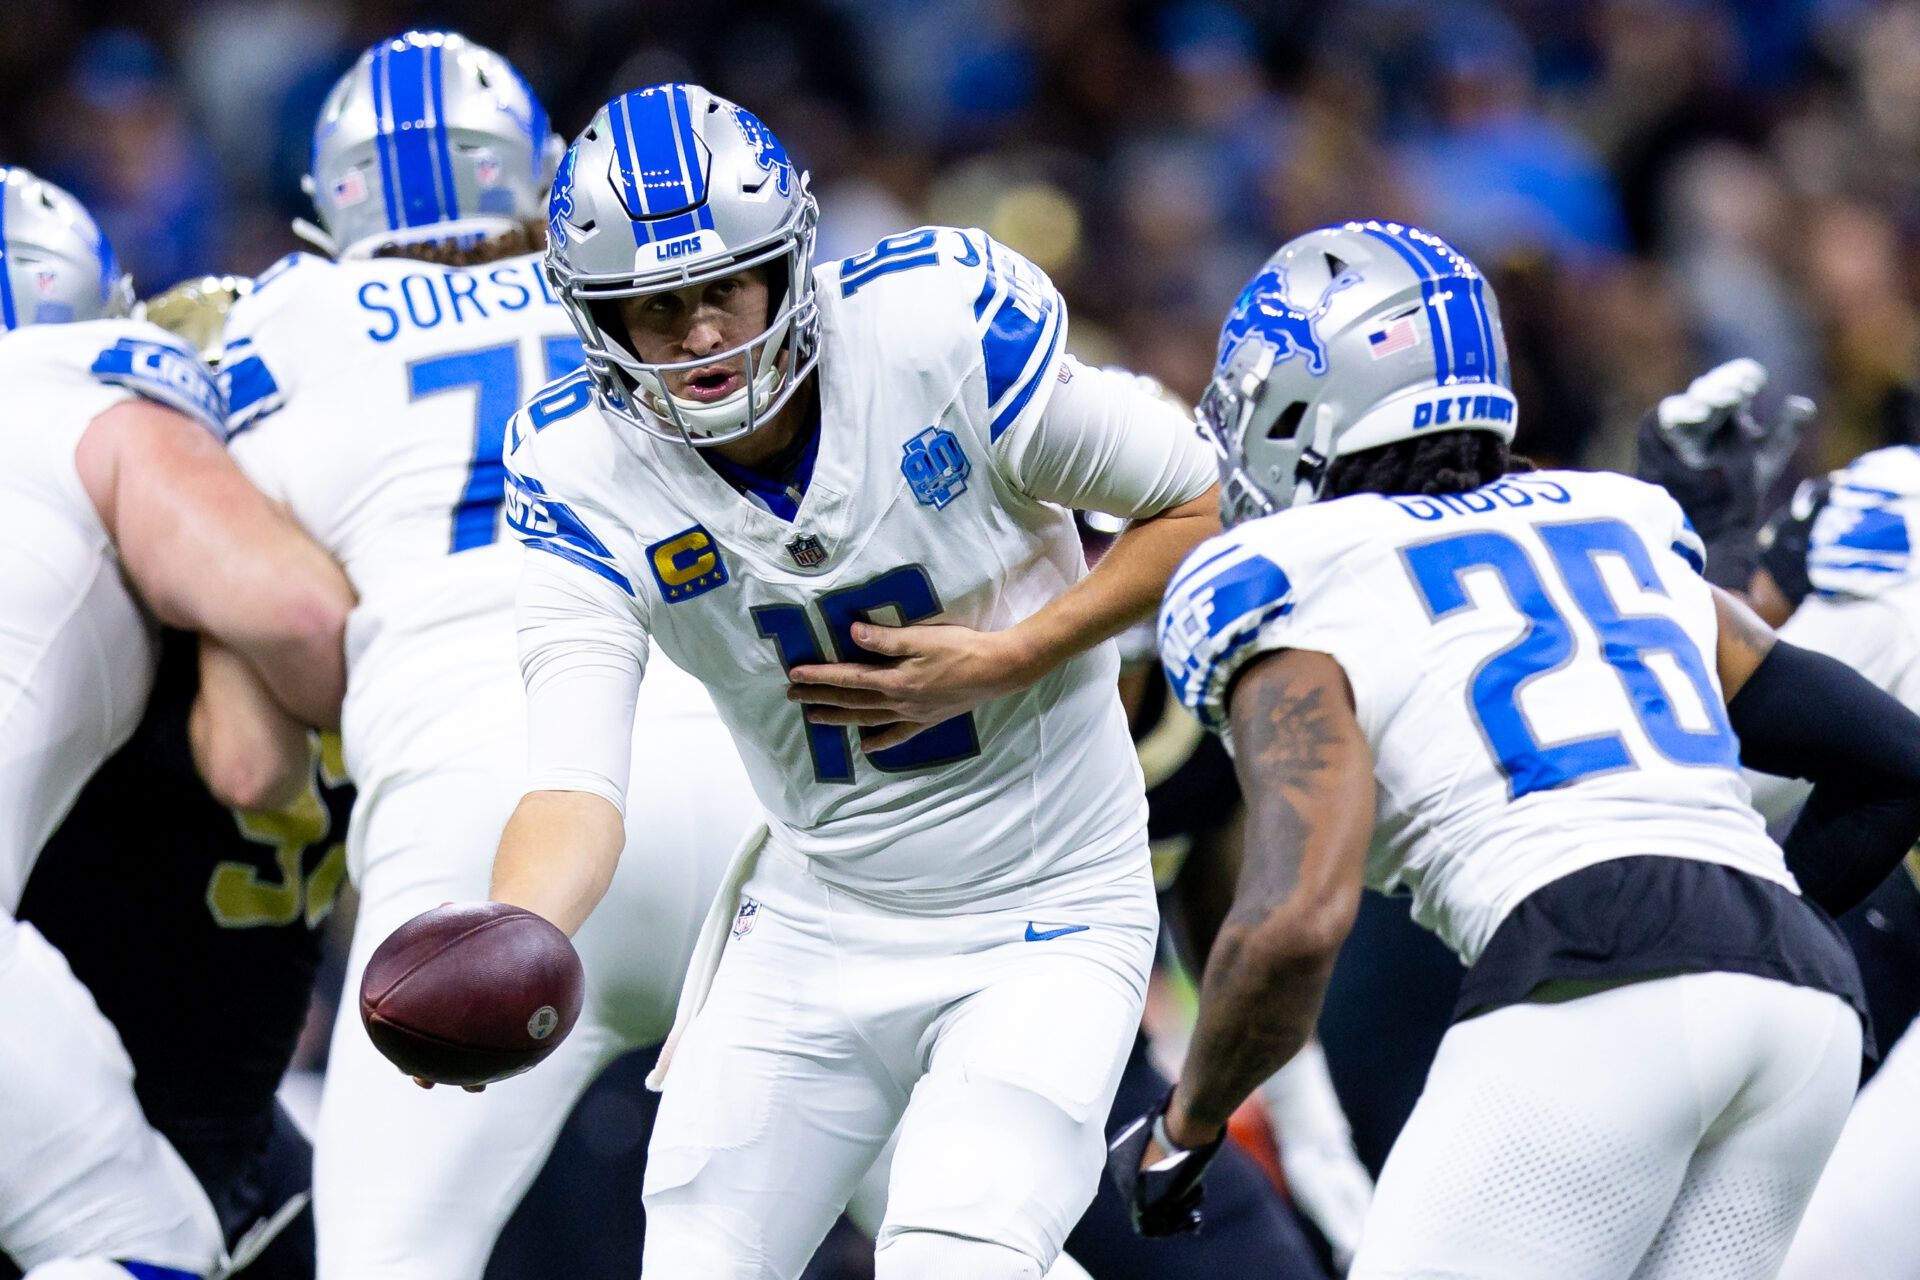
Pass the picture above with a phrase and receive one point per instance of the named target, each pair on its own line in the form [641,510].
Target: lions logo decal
[767,149]
[1264,311]
[560,203]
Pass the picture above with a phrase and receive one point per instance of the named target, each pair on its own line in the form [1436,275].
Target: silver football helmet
[55,262]
[429,138]
[1350,338]
[671,186]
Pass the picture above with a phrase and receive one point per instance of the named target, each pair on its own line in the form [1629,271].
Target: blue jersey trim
[7,320]
[1694,559]
[251,390]
[147,1271]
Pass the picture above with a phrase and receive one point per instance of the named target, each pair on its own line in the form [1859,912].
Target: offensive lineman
[764,467]
[126,509]
[1433,683]
[371,393]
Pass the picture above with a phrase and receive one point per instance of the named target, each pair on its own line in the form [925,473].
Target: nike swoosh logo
[1047,935]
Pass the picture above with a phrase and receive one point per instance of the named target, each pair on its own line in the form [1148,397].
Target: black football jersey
[196,929]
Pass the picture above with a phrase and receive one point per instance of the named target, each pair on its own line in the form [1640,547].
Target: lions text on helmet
[680,239]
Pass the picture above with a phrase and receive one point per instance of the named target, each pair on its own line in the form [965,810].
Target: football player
[127,510]
[1836,574]
[1510,695]
[170,907]
[841,497]
[370,393]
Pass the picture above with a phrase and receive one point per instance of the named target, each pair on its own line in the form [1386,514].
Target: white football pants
[82,1173]
[1663,1130]
[831,1022]
[1863,1222]
[416,1185]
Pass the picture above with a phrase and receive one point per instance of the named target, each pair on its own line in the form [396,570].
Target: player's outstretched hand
[1707,449]
[920,676]
[1163,1188]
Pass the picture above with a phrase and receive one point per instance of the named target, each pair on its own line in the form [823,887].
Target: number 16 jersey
[1532,663]
[940,493]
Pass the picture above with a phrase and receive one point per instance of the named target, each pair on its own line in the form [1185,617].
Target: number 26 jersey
[1532,665]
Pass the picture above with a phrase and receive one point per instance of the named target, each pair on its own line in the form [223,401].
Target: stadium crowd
[1655,186]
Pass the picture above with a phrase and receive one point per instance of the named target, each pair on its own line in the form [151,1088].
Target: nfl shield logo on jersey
[744,918]
[806,551]
[935,467]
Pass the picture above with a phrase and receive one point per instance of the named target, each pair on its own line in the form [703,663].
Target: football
[471,993]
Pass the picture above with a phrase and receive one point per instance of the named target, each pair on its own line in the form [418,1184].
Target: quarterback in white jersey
[371,395]
[839,496]
[1510,696]
[125,509]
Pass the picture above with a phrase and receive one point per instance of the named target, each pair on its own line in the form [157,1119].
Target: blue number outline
[493,374]
[908,589]
[1437,567]
[1576,546]
[1493,693]
[901,252]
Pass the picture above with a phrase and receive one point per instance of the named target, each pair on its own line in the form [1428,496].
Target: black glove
[1705,448]
[1786,539]
[1164,1200]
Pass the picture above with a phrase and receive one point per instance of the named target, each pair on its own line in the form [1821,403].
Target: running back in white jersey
[939,353]
[1532,664]
[372,396]
[76,651]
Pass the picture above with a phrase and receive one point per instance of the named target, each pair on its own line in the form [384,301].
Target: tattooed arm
[1308,777]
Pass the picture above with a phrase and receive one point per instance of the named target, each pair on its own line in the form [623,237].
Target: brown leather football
[470,993]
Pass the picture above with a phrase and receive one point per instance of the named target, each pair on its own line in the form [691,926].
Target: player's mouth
[716,382]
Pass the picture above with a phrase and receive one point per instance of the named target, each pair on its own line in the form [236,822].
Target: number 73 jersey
[1532,665]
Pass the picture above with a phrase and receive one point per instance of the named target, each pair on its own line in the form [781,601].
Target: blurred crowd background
[1654,185]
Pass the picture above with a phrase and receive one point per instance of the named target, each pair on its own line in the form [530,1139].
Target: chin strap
[316,236]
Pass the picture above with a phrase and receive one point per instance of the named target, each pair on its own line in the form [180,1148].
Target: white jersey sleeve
[1106,443]
[582,626]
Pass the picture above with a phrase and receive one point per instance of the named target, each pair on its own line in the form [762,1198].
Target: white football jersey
[1532,664]
[1865,608]
[939,354]
[77,652]
[372,397]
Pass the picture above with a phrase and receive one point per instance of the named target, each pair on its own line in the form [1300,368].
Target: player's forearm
[208,552]
[1308,778]
[1258,1006]
[252,755]
[1124,588]
[557,855]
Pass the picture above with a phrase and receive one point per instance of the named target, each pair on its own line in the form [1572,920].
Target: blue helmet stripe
[1472,355]
[696,178]
[1486,328]
[620,121]
[382,127]
[1436,320]
[536,121]
[406,73]
[7,321]
[440,133]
